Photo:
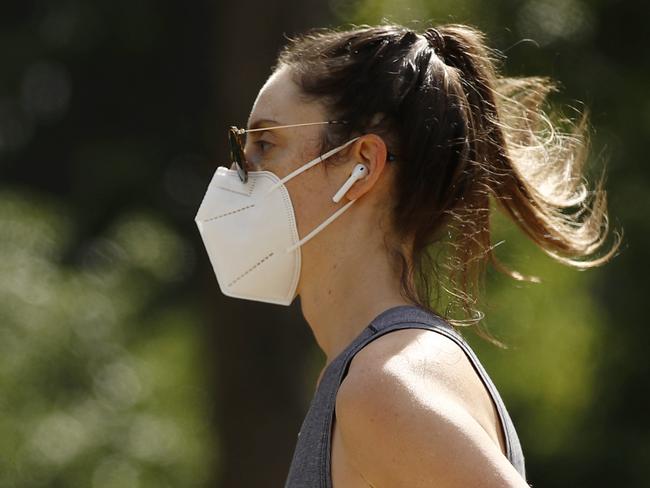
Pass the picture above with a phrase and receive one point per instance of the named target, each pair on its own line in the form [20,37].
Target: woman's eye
[263,145]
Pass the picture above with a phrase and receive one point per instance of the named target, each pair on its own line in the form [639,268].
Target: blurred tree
[105,380]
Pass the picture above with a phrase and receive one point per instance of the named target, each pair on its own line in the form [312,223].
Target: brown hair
[461,133]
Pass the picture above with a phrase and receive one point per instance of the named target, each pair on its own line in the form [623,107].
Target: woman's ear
[369,150]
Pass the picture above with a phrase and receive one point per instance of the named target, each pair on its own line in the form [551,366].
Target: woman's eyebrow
[257,124]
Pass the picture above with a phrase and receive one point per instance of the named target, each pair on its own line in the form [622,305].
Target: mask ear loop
[305,167]
[325,223]
[332,217]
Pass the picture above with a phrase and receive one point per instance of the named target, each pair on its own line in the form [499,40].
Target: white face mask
[249,231]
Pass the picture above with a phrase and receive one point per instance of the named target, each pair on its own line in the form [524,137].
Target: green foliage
[553,330]
[97,389]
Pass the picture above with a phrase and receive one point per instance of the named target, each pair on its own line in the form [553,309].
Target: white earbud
[358,172]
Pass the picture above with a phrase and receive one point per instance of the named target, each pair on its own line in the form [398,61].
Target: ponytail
[462,134]
[532,178]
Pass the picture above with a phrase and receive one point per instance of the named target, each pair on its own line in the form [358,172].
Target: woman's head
[459,133]
[282,151]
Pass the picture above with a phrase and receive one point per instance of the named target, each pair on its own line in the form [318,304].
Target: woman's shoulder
[412,407]
[425,366]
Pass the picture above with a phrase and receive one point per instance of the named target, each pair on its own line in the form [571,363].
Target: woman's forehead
[279,99]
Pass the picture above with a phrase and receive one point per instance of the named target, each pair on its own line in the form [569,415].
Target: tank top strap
[408,314]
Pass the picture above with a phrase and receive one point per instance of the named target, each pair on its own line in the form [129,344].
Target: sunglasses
[237,157]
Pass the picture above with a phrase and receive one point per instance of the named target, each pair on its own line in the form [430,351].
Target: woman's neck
[345,290]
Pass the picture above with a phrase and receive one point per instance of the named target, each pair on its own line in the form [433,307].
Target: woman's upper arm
[398,433]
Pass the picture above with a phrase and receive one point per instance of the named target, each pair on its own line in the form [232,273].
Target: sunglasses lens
[237,157]
[241,171]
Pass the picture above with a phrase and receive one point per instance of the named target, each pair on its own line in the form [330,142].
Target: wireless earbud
[359,171]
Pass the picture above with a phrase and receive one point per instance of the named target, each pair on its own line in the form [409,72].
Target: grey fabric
[310,466]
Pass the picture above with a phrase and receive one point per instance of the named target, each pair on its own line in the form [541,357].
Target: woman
[412,133]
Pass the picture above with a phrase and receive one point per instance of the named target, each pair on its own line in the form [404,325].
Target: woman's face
[284,150]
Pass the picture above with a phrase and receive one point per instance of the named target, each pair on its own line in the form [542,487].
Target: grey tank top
[310,466]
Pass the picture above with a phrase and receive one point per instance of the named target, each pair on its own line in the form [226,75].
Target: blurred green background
[122,365]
